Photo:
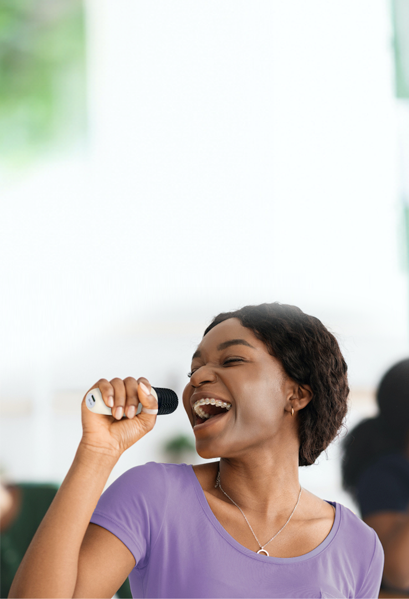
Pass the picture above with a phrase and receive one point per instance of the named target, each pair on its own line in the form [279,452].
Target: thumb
[148,398]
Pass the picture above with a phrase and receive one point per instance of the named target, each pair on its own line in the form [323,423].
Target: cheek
[262,400]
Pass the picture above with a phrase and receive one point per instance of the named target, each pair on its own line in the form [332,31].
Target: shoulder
[352,523]
[143,492]
[153,479]
[356,534]
[134,507]
[154,471]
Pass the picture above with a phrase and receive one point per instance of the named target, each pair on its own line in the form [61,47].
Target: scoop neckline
[262,558]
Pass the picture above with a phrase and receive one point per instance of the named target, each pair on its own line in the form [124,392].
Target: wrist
[94,457]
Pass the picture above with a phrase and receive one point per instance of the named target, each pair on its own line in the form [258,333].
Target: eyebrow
[224,345]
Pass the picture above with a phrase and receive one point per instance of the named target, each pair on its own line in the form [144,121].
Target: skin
[258,442]
[68,556]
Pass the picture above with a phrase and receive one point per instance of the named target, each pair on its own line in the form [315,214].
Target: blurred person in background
[267,393]
[375,471]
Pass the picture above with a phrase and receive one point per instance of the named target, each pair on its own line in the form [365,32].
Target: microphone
[167,402]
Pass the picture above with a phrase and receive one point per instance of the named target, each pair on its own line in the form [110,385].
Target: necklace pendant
[261,551]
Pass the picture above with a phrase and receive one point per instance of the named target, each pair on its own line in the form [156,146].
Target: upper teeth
[214,402]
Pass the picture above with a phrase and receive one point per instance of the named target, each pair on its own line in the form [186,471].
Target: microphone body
[167,402]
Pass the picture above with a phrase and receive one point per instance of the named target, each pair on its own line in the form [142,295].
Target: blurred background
[161,162]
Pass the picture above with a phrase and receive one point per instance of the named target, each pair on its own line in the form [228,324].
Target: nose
[201,376]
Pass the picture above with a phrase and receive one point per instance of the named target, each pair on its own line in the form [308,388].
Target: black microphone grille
[167,400]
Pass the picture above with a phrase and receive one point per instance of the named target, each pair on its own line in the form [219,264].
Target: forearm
[396,571]
[50,565]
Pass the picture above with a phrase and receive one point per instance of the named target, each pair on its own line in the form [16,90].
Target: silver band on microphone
[148,410]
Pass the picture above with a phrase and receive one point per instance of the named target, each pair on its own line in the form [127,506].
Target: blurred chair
[22,508]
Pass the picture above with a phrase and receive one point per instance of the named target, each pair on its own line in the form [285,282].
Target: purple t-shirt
[160,512]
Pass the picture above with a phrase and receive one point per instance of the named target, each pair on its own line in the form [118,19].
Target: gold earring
[292,411]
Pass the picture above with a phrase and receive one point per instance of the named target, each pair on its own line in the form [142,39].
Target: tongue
[213,410]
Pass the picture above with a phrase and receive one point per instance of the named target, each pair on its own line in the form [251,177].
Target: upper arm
[104,564]
[389,527]
[385,524]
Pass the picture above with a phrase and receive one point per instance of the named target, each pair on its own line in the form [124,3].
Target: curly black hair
[310,355]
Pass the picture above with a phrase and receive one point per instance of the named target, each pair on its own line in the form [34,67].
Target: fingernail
[131,411]
[118,413]
[145,389]
[110,402]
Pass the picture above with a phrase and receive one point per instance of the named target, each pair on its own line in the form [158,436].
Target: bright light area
[238,152]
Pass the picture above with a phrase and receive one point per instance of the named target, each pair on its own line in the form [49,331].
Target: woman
[238,527]
[376,473]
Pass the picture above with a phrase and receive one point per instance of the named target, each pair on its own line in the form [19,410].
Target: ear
[300,397]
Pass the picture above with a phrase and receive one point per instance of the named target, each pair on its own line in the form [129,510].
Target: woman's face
[232,366]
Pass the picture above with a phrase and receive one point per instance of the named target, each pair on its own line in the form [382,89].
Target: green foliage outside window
[400,19]
[42,76]
[180,448]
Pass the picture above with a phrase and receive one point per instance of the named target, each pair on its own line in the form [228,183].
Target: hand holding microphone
[132,403]
[166,398]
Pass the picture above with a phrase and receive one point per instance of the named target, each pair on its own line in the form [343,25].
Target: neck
[267,484]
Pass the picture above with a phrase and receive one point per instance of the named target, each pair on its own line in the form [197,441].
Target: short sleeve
[382,487]
[133,509]
[372,582]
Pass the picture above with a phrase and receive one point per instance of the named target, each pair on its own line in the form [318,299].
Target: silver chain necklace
[261,550]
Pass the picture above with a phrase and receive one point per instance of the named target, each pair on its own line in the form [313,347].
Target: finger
[119,398]
[147,399]
[107,392]
[132,402]
[149,404]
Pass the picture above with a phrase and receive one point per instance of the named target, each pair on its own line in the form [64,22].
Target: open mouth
[208,408]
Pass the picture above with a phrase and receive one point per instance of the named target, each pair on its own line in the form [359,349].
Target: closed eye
[229,360]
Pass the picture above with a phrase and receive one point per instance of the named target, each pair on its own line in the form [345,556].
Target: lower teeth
[208,416]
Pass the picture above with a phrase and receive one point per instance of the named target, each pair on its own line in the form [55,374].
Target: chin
[211,451]
[207,453]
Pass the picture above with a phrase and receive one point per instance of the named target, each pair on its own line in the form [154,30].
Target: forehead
[226,331]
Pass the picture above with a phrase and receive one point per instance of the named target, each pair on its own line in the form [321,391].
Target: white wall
[238,152]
